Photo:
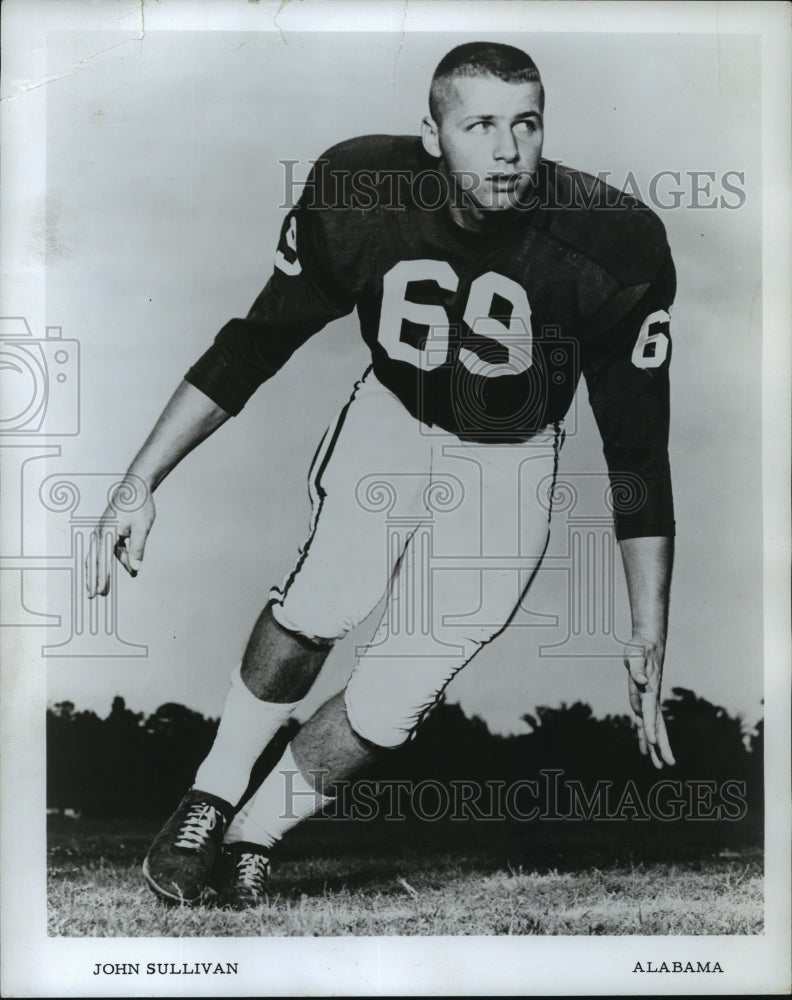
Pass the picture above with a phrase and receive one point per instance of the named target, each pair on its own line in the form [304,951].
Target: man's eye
[481,127]
[525,126]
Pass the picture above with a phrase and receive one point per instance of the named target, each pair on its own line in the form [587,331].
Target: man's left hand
[643,659]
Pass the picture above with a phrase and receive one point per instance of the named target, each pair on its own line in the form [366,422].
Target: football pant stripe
[316,492]
[558,443]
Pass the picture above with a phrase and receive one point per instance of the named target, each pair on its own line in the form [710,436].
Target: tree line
[129,764]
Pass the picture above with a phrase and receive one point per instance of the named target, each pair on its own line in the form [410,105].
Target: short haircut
[506,62]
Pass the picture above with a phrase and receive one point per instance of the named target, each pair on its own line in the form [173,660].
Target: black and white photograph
[395,527]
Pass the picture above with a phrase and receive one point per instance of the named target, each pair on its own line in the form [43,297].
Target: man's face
[490,138]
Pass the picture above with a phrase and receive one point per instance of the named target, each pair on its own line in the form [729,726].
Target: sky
[163,205]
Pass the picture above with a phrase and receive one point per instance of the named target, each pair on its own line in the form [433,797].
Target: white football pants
[452,530]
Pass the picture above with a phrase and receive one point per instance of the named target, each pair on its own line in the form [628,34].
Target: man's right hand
[120,533]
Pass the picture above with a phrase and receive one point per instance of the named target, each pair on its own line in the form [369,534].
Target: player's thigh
[489,545]
[458,586]
[367,482]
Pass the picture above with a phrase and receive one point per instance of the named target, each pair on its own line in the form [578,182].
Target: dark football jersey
[486,333]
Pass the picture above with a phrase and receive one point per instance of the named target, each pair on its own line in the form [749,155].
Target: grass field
[407,886]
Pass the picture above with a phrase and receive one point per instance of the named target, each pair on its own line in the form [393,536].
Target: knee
[380,721]
[313,634]
[372,722]
[316,619]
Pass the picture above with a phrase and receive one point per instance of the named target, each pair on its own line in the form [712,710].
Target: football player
[484,286]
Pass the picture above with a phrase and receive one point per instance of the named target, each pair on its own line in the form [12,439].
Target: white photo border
[35,965]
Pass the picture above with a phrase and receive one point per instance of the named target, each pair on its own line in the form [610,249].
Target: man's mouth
[506,182]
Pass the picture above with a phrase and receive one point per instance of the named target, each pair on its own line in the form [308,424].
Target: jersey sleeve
[628,387]
[302,296]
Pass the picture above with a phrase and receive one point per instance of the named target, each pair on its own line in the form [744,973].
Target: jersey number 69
[650,350]
[515,334]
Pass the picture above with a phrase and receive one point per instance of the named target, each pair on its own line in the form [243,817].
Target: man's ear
[429,137]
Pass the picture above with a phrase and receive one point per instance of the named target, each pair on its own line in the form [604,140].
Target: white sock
[246,727]
[284,799]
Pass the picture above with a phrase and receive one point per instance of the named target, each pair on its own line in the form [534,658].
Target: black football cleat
[179,863]
[242,875]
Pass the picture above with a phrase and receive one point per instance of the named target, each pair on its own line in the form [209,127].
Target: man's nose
[505,146]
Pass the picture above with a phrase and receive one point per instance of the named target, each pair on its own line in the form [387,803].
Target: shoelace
[198,824]
[252,871]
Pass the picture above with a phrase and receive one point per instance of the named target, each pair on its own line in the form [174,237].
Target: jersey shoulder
[354,189]
[376,152]
[364,174]
[613,229]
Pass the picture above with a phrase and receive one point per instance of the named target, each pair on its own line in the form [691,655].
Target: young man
[485,285]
